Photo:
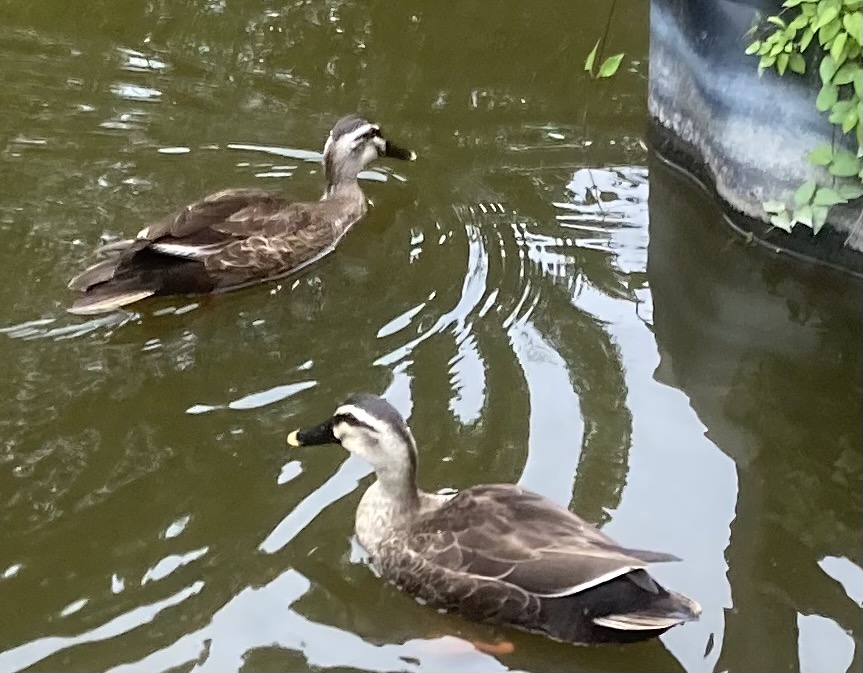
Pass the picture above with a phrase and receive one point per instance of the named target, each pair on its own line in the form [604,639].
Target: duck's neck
[343,189]
[398,487]
[388,505]
[341,180]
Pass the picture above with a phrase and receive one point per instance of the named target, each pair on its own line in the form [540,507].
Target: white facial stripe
[357,134]
[362,416]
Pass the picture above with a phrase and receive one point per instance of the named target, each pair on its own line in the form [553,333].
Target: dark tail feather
[101,272]
[622,610]
[105,299]
[114,248]
[662,613]
[133,272]
[648,556]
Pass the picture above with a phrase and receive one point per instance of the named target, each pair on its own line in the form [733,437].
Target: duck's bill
[320,434]
[395,152]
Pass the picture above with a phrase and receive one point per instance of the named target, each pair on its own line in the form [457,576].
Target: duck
[495,553]
[237,237]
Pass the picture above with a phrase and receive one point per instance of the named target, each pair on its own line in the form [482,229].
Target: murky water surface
[544,299]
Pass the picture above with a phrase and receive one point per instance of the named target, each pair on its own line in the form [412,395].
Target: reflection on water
[542,307]
[769,357]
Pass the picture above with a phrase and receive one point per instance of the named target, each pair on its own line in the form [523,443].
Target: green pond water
[543,298]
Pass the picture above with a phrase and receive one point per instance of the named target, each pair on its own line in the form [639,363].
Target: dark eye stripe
[352,420]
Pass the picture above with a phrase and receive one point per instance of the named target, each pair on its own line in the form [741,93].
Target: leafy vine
[838,25]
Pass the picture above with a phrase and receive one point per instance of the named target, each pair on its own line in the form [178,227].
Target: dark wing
[506,533]
[288,239]
[225,212]
[243,235]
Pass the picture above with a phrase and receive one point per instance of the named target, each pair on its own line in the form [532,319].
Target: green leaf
[850,192]
[782,63]
[840,111]
[797,63]
[828,32]
[803,215]
[837,47]
[853,23]
[842,107]
[777,48]
[844,165]
[591,57]
[858,83]
[773,207]
[826,17]
[850,120]
[819,217]
[806,38]
[821,155]
[825,196]
[827,97]
[765,62]
[845,74]
[842,56]
[610,66]
[776,21]
[827,68]
[781,221]
[791,3]
[752,48]
[799,22]
[804,193]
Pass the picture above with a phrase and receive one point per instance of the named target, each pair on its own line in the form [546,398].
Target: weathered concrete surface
[751,134]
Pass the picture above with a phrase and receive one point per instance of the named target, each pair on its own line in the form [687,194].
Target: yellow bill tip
[293,440]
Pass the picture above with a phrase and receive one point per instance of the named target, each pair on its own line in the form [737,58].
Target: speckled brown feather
[501,554]
[248,236]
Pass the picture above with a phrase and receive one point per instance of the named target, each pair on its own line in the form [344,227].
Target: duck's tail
[133,271]
[108,298]
[626,609]
[663,612]
[102,293]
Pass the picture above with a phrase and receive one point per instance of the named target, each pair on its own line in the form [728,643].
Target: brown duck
[495,553]
[237,237]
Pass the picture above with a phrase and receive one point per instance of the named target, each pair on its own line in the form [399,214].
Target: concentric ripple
[507,292]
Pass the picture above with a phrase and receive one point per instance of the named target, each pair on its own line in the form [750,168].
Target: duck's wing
[210,212]
[226,240]
[504,532]
[240,236]
[219,219]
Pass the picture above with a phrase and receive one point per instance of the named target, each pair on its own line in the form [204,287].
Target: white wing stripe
[186,251]
[596,581]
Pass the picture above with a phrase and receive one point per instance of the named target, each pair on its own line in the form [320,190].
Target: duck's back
[226,241]
[505,555]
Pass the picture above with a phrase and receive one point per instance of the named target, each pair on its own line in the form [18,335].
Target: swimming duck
[494,553]
[237,237]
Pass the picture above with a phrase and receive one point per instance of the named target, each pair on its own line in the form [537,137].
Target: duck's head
[353,144]
[371,428]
